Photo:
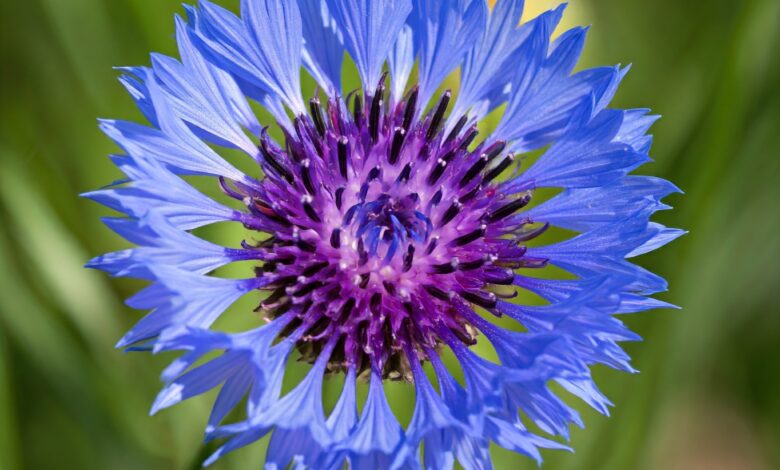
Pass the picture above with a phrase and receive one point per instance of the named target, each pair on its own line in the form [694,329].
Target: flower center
[387,229]
[388,221]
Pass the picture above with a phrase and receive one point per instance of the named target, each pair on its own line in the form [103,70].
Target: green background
[708,392]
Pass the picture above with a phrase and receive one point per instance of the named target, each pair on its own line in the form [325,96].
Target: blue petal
[484,75]
[606,91]
[473,453]
[202,379]
[183,298]
[544,97]
[233,391]
[514,437]
[443,32]
[174,144]
[542,114]
[529,60]
[195,341]
[400,62]
[183,153]
[552,290]
[205,96]
[264,49]
[632,303]
[563,56]
[617,240]
[161,244]
[220,33]
[302,407]
[376,436]
[156,188]
[370,27]
[663,236]
[300,414]
[277,37]
[583,209]
[296,446]
[240,367]
[133,81]
[262,398]
[300,446]
[544,408]
[586,321]
[343,418]
[242,439]
[587,391]
[275,359]
[599,251]
[323,51]
[557,290]
[586,157]
[470,448]
[222,89]
[483,380]
[439,453]
[633,132]
[431,414]
[568,102]
[270,102]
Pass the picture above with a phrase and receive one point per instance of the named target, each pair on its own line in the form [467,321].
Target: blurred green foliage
[707,395]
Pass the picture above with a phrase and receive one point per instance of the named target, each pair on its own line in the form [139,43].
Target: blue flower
[390,230]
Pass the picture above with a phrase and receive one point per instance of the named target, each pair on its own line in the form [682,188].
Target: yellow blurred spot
[572,16]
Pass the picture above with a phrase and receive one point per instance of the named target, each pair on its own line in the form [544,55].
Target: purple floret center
[383,225]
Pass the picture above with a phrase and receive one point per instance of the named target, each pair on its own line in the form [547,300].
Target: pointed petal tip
[89,195]
[123,343]
[213,458]
[169,396]
[94,263]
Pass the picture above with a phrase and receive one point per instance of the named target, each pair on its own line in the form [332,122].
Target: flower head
[385,229]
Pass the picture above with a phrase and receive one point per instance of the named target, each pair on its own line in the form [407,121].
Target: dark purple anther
[469,237]
[493,174]
[494,150]
[436,292]
[275,165]
[509,209]
[410,108]
[475,169]
[343,142]
[471,265]
[438,115]
[395,147]
[316,114]
[446,268]
[436,199]
[335,238]
[377,102]
[486,300]
[450,213]
[456,129]
[357,109]
[471,134]
[408,258]
[403,177]
[307,207]
[306,177]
